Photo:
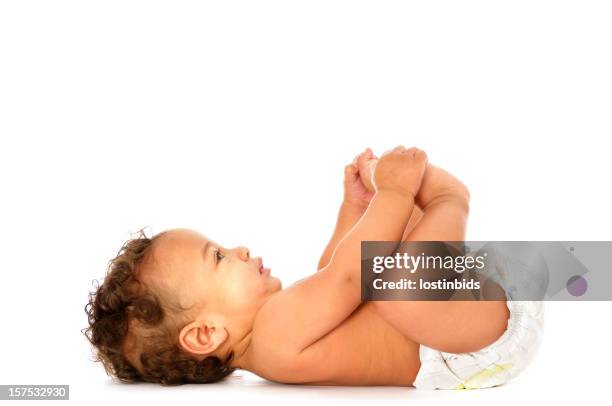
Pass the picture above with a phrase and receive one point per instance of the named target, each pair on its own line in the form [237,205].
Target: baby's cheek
[243,293]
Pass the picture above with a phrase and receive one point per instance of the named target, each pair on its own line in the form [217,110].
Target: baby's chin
[274,283]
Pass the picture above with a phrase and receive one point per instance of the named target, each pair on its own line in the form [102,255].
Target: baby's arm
[354,203]
[348,215]
[297,317]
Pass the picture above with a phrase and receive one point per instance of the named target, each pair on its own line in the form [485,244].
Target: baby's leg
[450,326]
[445,202]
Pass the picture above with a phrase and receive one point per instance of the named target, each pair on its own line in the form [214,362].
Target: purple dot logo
[576,285]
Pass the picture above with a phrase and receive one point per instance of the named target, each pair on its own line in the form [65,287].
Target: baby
[181,308]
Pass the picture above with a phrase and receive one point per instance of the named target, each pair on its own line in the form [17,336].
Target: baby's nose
[244,253]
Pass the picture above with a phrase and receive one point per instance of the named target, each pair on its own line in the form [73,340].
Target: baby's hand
[356,190]
[400,170]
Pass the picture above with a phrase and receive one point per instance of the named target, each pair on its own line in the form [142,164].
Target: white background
[236,119]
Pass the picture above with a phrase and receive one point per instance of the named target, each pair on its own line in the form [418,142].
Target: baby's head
[176,308]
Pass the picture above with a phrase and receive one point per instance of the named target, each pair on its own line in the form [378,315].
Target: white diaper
[492,365]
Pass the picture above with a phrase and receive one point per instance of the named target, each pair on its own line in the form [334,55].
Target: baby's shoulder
[270,354]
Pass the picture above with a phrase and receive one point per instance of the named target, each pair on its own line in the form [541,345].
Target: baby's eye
[219,256]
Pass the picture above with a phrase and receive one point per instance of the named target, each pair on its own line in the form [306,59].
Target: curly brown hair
[135,333]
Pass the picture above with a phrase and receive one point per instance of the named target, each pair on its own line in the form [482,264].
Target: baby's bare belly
[365,350]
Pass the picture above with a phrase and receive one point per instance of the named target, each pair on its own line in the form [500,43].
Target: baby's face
[196,271]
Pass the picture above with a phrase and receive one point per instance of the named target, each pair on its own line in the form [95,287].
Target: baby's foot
[366,162]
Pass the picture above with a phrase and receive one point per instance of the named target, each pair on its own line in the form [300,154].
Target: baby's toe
[363,159]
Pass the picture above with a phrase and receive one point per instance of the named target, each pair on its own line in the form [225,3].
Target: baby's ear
[200,338]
